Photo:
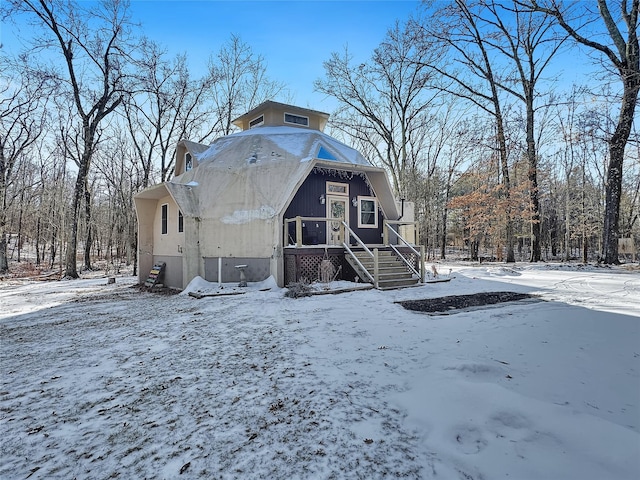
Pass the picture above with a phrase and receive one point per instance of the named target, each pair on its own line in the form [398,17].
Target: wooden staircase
[392,272]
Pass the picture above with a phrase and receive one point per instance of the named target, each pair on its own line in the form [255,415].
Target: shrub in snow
[298,289]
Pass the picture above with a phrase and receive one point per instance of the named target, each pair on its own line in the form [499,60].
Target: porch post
[385,233]
[421,263]
[376,268]
[298,231]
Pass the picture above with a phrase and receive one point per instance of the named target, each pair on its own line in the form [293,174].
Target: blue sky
[294,37]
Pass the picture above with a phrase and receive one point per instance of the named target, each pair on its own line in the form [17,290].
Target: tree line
[465,105]
[462,103]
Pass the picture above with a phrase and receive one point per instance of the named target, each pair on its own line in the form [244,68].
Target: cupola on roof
[272,113]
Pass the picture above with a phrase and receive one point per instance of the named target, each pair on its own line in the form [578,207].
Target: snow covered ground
[103,381]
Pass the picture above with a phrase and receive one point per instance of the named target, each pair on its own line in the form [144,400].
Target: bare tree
[92,41]
[529,46]
[386,101]
[473,77]
[462,140]
[164,106]
[619,47]
[241,84]
[120,179]
[22,122]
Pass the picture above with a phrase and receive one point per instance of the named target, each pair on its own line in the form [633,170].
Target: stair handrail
[345,244]
[402,257]
[353,256]
[353,234]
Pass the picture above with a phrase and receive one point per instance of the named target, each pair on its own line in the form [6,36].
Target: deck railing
[346,233]
[299,225]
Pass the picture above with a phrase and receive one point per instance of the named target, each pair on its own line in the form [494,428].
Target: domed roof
[273,144]
[253,174]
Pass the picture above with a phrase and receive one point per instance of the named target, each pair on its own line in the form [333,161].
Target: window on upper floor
[256,122]
[325,154]
[180,222]
[165,219]
[188,162]
[296,119]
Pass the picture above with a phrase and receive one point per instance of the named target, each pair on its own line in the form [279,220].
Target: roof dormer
[271,113]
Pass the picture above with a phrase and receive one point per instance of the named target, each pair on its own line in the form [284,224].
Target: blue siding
[306,203]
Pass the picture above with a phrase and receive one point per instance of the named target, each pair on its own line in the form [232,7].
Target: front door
[337,207]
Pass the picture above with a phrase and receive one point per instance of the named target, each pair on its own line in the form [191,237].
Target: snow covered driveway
[102,381]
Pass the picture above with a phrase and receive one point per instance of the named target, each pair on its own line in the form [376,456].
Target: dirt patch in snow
[141,287]
[458,302]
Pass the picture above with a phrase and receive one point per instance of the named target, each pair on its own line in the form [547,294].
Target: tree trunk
[506,182]
[474,247]
[88,238]
[71,268]
[443,247]
[536,251]
[613,188]
[38,241]
[4,263]
[19,239]
[567,216]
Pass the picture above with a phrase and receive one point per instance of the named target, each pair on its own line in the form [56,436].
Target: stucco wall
[173,270]
[145,211]
[172,242]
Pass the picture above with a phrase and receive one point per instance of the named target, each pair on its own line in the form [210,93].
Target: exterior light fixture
[354,201]
[322,199]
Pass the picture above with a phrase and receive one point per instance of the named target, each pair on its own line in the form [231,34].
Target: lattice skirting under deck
[305,265]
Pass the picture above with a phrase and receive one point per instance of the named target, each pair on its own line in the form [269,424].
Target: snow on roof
[251,175]
[285,141]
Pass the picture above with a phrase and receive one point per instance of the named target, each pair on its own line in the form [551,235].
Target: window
[256,122]
[367,212]
[325,154]
[180,222]
[188,162]
[165,218]
[334,188]
[296,119]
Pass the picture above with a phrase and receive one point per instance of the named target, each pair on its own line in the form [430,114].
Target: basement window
[256,122]
[180,222]
[367,212]
[296,119]
[165,218]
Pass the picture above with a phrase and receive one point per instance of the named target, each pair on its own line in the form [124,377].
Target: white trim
[295,115]
[375,212]
[338,184]
[261,122]
[333,235]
